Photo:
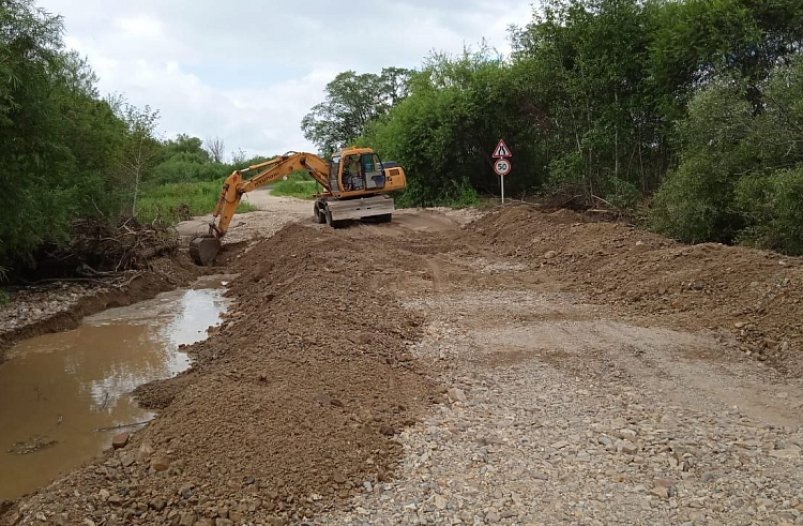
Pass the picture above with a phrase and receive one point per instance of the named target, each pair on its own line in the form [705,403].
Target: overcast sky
[248,71]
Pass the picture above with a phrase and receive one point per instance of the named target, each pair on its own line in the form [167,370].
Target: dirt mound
[566,217]
[291,406]
[756,294]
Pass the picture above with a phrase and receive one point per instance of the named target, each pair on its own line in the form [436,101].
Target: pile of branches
[99,247]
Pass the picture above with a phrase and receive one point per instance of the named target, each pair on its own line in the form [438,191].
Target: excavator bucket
[204,250]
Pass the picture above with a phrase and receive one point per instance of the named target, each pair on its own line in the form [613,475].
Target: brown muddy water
[63,396]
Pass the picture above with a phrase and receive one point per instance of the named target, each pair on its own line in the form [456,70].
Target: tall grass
[298,184]
[174,202]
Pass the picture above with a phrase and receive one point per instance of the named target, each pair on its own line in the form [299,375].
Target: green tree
[184,159]
[741,172]
[444,131]
[352,101]
[589,100]
[141,148]
[61,146]
[394,85]
[29,42]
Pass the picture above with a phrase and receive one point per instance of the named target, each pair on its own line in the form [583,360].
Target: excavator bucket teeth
[204,250]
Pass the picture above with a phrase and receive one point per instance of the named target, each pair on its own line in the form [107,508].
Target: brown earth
[757,296]
[295,404]
[311,410]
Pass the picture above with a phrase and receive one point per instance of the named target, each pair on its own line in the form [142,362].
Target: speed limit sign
[502,167]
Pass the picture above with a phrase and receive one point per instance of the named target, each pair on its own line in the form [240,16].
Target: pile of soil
[756,294]
[290,408]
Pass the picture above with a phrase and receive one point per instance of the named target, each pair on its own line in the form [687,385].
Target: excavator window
[334,171]
[353,174]
[372,169]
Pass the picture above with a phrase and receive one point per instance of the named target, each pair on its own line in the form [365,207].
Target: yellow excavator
[355,186]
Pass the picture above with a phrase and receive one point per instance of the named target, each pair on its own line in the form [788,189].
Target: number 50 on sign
[502,167]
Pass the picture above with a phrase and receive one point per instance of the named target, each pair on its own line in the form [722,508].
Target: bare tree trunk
[137,171]
[616,141]
[216,148]
[644,182]
[136,191]
[590,173]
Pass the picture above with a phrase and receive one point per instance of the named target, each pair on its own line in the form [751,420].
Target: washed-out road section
[454,367]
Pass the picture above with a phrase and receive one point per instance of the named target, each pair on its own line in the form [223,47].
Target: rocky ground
[515,368]
[577,418]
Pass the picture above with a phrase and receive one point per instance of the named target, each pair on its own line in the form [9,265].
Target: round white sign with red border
[502,167]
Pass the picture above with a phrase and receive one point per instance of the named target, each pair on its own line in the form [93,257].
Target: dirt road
[518,368]
[272,214]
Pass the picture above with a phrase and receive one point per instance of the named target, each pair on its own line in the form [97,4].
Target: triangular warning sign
[501,151]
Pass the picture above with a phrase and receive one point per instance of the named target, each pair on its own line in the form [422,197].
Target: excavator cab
[357,172]
[361,170]
[374,172]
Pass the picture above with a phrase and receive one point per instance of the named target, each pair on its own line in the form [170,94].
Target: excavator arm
[204,249]
[236,184]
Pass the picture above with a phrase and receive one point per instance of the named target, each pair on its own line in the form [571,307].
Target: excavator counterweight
[355,186]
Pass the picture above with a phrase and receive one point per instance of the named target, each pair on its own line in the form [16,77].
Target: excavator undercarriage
[335,211]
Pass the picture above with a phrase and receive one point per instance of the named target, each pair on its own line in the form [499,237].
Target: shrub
[773,208]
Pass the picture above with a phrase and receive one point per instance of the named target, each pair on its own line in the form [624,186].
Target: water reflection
[56,390]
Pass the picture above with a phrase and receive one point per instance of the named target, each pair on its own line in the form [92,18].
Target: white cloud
[140,26]
[248,71]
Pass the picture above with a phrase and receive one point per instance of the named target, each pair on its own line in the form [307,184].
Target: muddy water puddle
[64,395]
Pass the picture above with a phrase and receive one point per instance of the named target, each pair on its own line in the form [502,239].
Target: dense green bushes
[184,159]
[740,176]
[772,207]
[60,145]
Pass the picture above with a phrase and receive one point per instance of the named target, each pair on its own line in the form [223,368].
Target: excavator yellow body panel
[395,179]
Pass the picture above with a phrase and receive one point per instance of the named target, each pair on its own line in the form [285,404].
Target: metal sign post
[502,165]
